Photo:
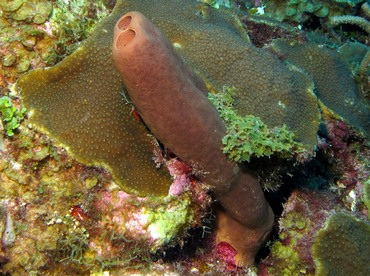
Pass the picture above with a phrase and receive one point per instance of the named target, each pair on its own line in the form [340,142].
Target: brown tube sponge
[160,85]
[173,103]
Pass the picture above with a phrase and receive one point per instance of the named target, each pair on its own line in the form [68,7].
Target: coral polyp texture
[342,247]
[88,115]
[332,78]
[302,10]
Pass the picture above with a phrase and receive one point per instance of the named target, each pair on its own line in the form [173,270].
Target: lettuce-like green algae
[248,136]
[10,115]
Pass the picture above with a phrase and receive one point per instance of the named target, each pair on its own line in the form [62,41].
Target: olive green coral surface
[303,10]
[342,247]
[333,80]
[79,103]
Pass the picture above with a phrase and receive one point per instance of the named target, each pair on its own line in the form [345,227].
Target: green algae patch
[366,197]
[295,221]
[10,6]
[342,247]
[169,219]
[73,22]
[248,136]
[35,11]
[10,115]
[292,263]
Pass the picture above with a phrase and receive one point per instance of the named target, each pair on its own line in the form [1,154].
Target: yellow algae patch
[78,103]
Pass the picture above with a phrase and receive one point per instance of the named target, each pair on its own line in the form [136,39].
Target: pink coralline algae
[304,214]
[119,224]
[227,254]
[180,173]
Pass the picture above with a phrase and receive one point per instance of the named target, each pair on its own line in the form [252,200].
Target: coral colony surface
[184,137]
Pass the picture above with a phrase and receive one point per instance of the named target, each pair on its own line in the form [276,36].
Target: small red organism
[78,213]
[135,114]
[177,167]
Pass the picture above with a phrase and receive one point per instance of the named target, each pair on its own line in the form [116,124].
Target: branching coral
[350,19]
[302,10]
[359,21]
[364,67]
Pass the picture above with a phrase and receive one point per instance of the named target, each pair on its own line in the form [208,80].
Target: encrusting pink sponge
[172,101]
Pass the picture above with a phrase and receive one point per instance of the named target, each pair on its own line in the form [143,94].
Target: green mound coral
[342,247]
[90,117]
[249,136]
[78,102]
[354,53]
[36,11]
[10,115]
[302,10]
[335,87]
